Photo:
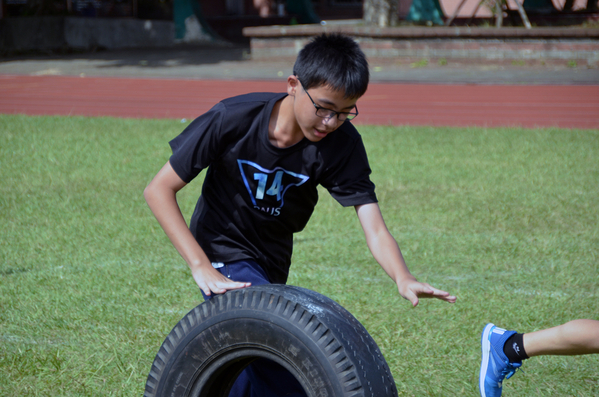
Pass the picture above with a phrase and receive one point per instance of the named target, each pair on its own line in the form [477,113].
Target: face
[314,127]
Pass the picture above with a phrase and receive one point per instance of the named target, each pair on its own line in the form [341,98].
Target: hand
[211,280]
[411,289]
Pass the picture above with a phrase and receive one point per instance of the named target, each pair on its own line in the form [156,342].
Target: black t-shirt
[256,195]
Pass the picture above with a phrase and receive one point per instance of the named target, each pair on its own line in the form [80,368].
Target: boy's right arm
[160,195]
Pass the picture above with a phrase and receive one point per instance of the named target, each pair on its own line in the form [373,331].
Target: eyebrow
[329,103]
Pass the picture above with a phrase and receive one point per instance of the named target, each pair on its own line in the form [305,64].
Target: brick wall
[471,43]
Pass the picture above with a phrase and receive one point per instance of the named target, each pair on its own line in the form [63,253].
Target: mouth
[320,134]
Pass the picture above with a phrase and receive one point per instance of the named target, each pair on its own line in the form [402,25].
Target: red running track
[565,106]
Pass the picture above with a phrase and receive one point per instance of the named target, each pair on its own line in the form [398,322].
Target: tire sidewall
[272,337]
[313,337]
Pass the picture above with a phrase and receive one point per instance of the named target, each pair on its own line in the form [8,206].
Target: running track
[566,106]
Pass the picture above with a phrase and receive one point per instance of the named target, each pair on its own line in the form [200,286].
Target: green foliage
[419,64]
[505,219]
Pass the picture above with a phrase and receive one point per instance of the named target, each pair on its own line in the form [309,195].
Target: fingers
[431,292]
[217,283]
[412,297]
[418,290]
[439,294]
[220,287]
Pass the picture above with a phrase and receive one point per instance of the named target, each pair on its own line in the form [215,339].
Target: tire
[319,342]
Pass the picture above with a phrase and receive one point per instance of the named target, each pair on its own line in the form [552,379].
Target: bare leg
[572,338]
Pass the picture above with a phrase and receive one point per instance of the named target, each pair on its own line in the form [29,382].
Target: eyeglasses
[328,113]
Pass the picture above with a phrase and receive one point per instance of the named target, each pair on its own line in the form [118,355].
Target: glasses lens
[329,114]
[325,113]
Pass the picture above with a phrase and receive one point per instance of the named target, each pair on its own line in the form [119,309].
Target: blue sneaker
[494,366]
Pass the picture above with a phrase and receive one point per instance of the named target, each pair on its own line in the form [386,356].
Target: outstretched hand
[211,281]
[412,290]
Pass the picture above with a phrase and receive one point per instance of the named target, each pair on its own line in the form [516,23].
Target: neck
[283,130]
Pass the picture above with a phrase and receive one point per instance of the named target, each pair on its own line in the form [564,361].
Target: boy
[266,154]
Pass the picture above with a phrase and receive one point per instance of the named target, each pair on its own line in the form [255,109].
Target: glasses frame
[348,115]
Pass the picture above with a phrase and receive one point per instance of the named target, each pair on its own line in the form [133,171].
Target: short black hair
[333,60]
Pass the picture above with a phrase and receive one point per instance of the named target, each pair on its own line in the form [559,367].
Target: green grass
[506,219]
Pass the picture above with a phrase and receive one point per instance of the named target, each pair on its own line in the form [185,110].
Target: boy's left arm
[385,250]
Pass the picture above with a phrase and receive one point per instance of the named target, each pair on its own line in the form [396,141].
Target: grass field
[506,219]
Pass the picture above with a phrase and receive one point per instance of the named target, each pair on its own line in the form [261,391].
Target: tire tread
[341,338]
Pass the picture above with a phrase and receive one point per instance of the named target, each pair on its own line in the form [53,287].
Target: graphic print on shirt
[267,187]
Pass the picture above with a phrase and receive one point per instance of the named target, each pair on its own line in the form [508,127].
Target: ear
[292,85]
